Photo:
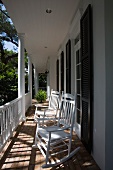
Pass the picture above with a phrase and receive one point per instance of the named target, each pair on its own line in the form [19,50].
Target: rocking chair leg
[69,147]
[48,148]
[35,142]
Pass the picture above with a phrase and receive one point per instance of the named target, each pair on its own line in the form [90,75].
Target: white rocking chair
[50,111]
[56,140]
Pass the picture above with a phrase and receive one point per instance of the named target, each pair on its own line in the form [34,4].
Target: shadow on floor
[18,153]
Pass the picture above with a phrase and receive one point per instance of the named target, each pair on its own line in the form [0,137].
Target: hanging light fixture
[47,71]
[48,11]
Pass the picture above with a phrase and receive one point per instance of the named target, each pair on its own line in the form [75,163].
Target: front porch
[19,154]
[55,43]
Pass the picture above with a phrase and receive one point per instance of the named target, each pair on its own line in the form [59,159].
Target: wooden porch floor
[19,154]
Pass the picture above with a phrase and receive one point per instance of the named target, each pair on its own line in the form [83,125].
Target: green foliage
[8,81]
[42,81]
[41,96]
[7,29]
[9,61]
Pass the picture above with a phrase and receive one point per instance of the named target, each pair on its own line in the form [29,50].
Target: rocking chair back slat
[67,111]
[54,100]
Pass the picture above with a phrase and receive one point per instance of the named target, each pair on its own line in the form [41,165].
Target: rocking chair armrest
[50,129]
[40,119]
[45,118]
[49,109]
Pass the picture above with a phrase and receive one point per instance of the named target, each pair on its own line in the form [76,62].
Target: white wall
[102,15]
[99,74]
[103,82]
[109,84]
[99,83]
[99,80]
[52,73]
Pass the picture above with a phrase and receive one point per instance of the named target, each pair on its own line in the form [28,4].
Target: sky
[8,45]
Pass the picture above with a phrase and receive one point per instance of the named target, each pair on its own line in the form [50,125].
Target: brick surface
[18,153]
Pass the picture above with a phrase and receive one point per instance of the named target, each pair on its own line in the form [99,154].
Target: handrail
[9,103]
[10,116]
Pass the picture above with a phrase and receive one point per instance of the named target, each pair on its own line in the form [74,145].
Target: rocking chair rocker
[54,141]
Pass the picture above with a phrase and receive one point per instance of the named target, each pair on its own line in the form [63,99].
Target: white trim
[77,127]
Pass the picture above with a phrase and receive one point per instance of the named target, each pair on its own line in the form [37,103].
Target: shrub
[41,96]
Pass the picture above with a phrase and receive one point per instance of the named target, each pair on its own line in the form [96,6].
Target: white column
[30,77]
[48,77]
[48,85]
[21,72]
[36,80]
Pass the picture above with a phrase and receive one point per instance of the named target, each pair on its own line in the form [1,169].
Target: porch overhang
[44,33]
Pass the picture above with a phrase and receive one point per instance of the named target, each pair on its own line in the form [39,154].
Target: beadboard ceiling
[41,29]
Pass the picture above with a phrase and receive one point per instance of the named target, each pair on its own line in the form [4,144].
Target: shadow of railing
[18,152]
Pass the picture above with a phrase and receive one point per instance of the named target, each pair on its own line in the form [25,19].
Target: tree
[42,81]
[8,80]
[9,60]
[7,33]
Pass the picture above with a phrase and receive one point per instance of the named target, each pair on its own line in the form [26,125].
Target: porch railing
[27,100]
[10,115]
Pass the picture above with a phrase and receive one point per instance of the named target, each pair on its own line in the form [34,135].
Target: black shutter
[86,78]
[68,67]
[33,83]
[57,74]
[62,71]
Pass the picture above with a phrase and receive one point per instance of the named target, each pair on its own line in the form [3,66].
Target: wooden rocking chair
[50,111]
[54,141]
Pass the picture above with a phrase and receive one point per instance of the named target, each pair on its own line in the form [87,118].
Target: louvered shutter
[68,67]
[86,79]
[62,71]
[57,74]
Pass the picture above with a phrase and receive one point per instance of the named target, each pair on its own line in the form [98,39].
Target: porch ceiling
[42,29]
